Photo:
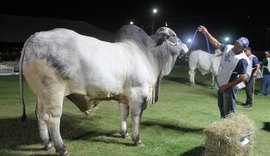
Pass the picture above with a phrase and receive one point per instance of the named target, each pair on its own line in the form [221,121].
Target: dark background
[234,19]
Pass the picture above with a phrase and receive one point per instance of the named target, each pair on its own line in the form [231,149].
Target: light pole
[153,22]
[227,40]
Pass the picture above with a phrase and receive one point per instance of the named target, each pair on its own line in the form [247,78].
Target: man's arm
[239,79]
[258,66]
[212,40]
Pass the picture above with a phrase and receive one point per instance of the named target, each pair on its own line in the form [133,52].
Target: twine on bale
[231,136]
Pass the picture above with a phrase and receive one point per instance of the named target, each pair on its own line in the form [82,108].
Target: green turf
[171,127]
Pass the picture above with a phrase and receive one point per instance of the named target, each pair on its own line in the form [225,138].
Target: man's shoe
[247,105]
[260,94]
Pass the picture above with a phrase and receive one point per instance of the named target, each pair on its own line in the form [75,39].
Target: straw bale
[231,136]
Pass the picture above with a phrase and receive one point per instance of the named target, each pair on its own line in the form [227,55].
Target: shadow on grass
[177,79]
[197,151]
[110,138]
[172,127]
[113,141]
[14,133]
[266,126]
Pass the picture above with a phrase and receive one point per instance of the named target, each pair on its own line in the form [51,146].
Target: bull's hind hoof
[125,136]
[65,154]
[139,143]
[48,147]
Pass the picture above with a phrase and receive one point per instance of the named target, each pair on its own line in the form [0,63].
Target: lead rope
[190,44]
[209,51]
[193,38]
[206,38]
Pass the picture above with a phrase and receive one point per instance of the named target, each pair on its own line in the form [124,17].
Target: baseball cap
[243,41]
[248,48]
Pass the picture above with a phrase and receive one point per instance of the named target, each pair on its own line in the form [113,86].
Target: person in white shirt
[232,71]
[265,85]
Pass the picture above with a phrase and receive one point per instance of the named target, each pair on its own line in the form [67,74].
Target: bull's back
[67,57]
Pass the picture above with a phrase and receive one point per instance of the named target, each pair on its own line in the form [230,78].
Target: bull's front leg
[124,111]
[213,79]
[136,113]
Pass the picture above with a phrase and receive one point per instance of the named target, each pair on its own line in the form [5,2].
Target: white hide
[205,63]
[61,62]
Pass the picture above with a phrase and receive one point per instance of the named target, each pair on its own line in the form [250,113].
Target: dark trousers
[249,90]
[226,102]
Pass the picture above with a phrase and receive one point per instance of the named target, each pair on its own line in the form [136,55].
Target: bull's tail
[21,83]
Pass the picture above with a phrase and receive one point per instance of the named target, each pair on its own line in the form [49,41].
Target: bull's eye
[162,29]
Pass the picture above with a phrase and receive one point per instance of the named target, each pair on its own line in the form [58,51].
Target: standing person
[266,76]
[232,71]
[253,68]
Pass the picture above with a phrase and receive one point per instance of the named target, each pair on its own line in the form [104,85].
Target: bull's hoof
[125,136]
[65,154]
[139,143]
[48,147]
[87,112]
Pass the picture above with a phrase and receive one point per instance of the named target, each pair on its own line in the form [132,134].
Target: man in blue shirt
[265,85]
[232,71]
[253,69]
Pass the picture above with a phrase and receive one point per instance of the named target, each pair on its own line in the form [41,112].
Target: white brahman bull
[205,63]
[61,62]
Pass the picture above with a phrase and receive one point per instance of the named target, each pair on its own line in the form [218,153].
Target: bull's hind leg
[51,113]
[49,87]
[124,111]
[43,129]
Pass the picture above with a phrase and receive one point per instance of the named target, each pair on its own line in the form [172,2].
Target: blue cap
[248,48]
[243,41]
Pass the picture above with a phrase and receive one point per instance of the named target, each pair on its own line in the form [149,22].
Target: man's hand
[202,29]
[223,88]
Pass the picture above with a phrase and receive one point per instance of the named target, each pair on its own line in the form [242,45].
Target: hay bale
[231,136]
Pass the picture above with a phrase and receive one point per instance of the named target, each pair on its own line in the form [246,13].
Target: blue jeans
[265,84]
[226,102]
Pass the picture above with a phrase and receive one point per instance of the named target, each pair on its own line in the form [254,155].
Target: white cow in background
[62,63]
[205,63]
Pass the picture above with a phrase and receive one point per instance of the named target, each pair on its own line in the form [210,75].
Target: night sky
[243,19]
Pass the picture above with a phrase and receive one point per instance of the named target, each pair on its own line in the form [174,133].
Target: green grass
[171,127]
